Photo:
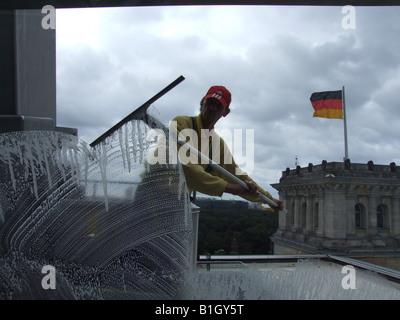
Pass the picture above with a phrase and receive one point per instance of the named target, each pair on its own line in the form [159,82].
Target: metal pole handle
[224,171]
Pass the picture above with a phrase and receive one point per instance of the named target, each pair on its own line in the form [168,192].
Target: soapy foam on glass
[115,227]
[102,214]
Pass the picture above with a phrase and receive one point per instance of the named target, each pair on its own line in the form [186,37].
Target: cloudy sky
[112,60]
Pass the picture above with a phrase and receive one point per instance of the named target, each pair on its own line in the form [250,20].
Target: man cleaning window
[201,176]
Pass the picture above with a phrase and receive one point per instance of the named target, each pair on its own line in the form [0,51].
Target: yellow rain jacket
[199,176]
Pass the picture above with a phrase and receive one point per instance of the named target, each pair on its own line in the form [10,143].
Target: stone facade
[340,208]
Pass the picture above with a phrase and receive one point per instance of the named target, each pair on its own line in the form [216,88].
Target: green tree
[246,230]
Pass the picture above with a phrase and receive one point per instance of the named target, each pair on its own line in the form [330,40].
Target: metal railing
[390,274]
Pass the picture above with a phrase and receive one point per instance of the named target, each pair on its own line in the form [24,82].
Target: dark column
[27,72]
[7,63]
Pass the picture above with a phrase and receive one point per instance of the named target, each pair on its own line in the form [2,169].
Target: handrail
[393,274]
[390,274]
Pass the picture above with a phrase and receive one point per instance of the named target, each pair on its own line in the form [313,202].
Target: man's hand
[279,203]
[238,190]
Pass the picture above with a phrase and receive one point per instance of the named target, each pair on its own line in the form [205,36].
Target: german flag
[327,104]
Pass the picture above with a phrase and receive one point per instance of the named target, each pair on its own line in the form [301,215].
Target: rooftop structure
[341,208]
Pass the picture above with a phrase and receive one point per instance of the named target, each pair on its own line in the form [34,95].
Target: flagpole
[346,151]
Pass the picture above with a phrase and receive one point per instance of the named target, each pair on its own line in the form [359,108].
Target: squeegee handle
[216,166]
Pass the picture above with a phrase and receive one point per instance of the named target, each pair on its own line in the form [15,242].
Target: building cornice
[339,176]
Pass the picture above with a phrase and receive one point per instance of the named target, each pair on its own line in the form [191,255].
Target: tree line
[236,231]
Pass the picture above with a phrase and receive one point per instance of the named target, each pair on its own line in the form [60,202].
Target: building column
[371,212]
[283,216]
[350,210]
[297,213]
[27,72]
[387,220]
[309,214]
[331,210]
[395,214]
[320,230]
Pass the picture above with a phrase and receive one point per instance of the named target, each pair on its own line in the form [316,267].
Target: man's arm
[196,176]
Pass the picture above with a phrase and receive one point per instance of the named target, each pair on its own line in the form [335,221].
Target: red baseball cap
[220,93]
